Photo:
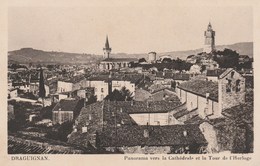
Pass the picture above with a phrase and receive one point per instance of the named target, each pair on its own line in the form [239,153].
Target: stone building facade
[210,97]
[66,110]
[151,57]
[109,63]
[231,89]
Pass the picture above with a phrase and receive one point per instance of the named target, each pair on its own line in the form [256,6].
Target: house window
[102,90]
[232,74]
[207,101]
[206,111]
[228,86]
[237,85]
[84,129]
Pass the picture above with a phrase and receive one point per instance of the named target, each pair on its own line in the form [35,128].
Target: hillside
[30,55]
[27,55]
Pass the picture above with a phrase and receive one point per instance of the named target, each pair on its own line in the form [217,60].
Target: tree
[122,95]
[91,99]
[42,91]
[141,60]
[46,112]
[203,68]
[166,60]
[227,58]
[61,131]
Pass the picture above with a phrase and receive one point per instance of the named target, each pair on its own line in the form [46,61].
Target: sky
[130,28]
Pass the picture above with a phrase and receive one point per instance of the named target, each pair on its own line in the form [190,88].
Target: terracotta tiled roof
[134,78]
[243,112]
[201,87]
[214,73]
[147,106]
[66,105]
[158,136]
[174,76]
[74,79]
[21,144]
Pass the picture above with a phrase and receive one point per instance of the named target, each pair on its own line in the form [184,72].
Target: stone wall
[228,99]
[192,101]
[61,116]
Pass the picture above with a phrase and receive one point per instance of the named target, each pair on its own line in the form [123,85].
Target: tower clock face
[208,33]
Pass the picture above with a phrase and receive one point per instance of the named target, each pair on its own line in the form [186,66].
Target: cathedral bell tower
[106,49]
[209,44]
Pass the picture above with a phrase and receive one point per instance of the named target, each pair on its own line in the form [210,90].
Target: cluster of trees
[16,66]
[60,131]
[120,95]
[21,110]
[246,65]
[166,63]
[226,58]
[230,59]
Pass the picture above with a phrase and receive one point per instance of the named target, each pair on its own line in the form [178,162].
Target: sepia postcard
[129,82]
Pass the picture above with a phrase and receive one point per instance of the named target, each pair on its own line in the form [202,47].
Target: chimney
[207,95]
[146,133]
[132,102]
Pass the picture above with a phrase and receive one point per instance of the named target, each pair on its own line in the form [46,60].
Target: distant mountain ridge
[27,55]
[243,48]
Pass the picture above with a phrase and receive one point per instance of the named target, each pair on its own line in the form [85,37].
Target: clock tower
[209,44]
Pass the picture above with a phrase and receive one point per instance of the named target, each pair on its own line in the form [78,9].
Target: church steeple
[107,43]
[106,49]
